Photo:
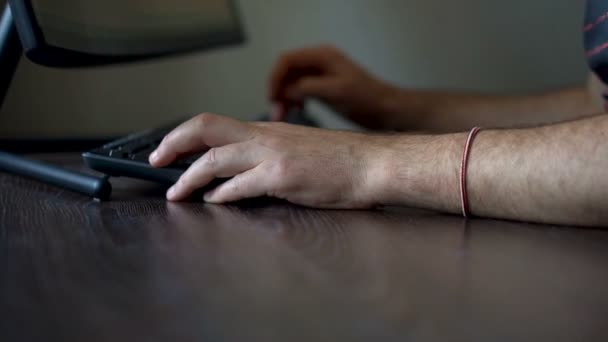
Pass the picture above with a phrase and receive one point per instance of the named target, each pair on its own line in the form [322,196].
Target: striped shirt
[596,39]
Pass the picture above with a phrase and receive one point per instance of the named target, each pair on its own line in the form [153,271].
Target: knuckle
[210,159]
[203,120]
[170,139]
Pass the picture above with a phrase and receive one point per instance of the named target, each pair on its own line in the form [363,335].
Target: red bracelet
[464,199]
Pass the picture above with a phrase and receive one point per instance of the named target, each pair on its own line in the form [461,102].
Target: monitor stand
[10,51]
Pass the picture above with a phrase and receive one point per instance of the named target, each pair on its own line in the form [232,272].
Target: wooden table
[137,268]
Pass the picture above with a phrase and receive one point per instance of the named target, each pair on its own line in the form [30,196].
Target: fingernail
[171,193]
[154,156]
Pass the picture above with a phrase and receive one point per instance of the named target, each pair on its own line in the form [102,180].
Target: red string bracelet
[464,199]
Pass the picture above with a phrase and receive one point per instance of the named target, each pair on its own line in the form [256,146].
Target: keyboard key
[140,157]
[141,148]
[118,153]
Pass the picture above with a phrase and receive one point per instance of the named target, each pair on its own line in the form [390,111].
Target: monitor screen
[134,27]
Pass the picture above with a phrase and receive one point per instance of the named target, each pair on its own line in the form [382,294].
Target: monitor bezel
[38,50]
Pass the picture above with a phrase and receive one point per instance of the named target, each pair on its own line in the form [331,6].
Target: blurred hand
[307,166]
[327,74]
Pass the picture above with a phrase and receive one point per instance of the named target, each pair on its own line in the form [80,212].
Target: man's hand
[327,74]
[306,166]
[550,174]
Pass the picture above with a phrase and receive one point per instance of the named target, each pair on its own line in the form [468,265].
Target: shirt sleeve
[595,32]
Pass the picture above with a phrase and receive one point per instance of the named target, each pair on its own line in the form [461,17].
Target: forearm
[552,174]
[451,112]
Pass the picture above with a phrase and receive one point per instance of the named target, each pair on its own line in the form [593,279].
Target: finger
[198,134]
[318,87]
[250,184]
[219,162]
[317,58]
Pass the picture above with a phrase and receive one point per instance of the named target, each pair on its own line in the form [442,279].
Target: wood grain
[137,268]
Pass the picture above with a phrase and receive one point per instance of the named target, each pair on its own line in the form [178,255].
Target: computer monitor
[71,33]
[79,33]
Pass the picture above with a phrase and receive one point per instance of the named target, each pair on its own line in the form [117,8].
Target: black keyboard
[128,156]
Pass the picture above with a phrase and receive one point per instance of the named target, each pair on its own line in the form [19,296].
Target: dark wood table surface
[137,268]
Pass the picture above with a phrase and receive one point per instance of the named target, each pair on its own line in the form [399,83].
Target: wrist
[402,108]
[391,101]
[418,171]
